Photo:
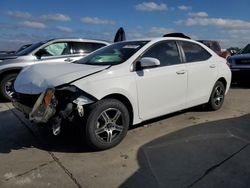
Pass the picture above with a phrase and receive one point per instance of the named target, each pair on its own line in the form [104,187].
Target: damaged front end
[55,105]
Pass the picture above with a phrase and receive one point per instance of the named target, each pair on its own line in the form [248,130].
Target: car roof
[77,40]
[161,39]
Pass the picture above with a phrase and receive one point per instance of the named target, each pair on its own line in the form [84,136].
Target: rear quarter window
[194,52]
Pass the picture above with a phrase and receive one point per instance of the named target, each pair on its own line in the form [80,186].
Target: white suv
[123,84]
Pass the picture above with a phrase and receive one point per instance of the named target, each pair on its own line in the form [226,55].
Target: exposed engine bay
[55,105]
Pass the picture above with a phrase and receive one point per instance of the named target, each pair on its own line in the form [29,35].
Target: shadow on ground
[213,154]
[17,133]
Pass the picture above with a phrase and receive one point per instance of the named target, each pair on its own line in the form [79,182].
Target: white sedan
[121,85]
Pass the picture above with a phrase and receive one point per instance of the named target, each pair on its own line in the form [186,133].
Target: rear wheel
[7,86]
[217,96]
[107,124]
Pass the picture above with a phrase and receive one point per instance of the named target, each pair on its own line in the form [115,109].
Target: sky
[29,21]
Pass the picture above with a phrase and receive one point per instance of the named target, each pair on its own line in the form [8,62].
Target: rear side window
[85,47]
[194,52]
[166,52]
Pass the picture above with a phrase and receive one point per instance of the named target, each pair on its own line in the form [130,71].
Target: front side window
[114,54]
[194,52]
[85,47]
[166,52]
[55,49]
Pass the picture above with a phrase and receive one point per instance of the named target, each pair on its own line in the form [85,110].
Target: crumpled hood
[37,78]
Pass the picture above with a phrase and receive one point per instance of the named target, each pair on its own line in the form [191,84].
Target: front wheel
[217,96]
[7,86]
[107,124]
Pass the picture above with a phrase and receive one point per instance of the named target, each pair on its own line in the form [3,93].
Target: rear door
[162,89]
[201,72]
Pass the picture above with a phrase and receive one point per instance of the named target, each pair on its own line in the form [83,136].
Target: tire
[6,86]
[107,124]
[217,96]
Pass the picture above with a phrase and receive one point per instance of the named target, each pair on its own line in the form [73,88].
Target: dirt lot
[192,148]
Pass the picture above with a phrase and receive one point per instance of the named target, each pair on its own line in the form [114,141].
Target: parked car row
[119,85]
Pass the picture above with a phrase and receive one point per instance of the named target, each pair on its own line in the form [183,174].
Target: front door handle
[68,59]
[212,66]
[181,72]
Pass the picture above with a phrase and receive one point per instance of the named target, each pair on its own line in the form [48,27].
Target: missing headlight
[45,107]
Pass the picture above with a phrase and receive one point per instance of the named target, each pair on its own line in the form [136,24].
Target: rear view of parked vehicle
[215,46]
[240,65]
[123,84]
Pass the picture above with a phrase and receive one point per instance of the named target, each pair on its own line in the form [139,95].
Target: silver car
[54,50]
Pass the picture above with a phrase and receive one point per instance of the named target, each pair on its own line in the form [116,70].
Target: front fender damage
[53,108]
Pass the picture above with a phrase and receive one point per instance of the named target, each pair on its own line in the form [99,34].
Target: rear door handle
[181,72]
[68,59]
[212,66]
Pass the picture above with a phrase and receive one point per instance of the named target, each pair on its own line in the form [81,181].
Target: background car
[245,50]
[54,50]
[215,46]
[23,47]
[240,65]
[123,84]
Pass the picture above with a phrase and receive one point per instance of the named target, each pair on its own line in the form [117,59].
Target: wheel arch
[125,101]
[223,80]
[9,71]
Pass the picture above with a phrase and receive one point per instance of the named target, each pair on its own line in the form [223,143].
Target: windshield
[31,48]
[113,54]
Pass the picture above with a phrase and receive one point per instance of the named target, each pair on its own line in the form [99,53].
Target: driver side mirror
[40,53]
[149,62]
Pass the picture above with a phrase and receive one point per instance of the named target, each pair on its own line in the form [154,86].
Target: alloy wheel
[110,125]
[9,87]
[218,95]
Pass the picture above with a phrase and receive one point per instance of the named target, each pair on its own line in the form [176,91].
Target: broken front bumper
[46,106]
[21,107]
[43,109]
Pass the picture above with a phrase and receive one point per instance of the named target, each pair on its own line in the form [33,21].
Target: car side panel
[161,90]
[112,85]
[201,78]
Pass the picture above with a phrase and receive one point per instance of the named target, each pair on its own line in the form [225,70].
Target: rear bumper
[239,74]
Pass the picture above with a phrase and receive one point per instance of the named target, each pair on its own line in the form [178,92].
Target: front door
[58,52]
[162,89]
